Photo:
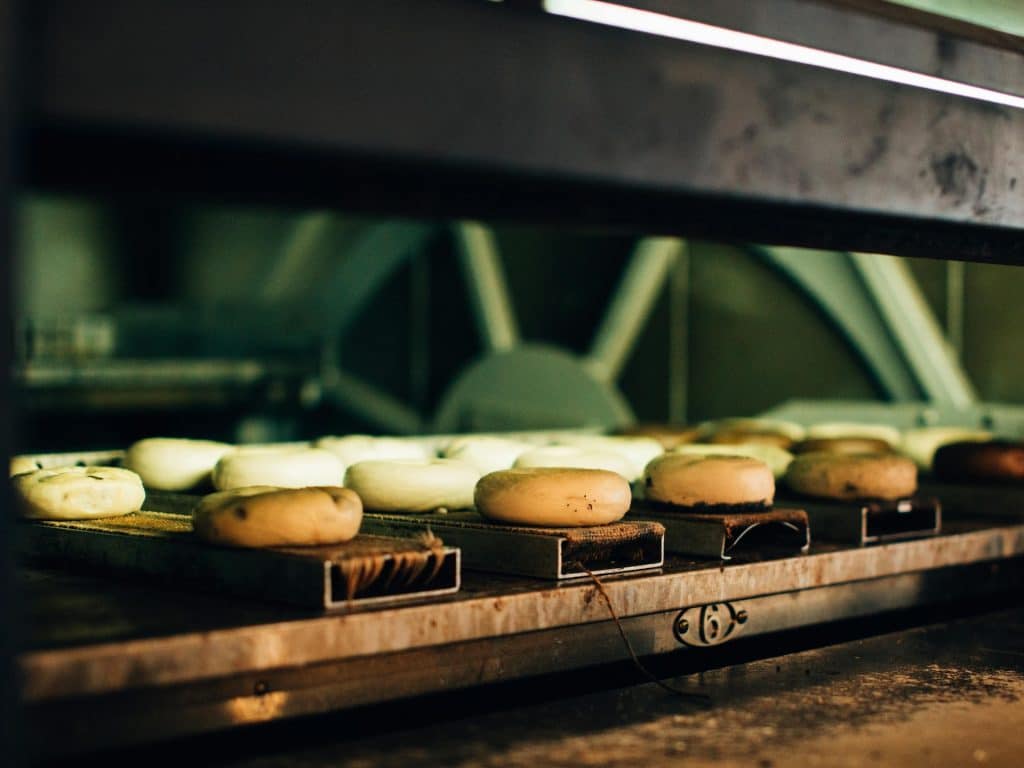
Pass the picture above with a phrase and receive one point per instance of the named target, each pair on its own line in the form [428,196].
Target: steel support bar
[914,330]
[832,282]
[488,292]
[641,284]
[368,402]
[571,121]
[369,262]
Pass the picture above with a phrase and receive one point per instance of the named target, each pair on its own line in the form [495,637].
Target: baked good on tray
[554,497]
[852,476]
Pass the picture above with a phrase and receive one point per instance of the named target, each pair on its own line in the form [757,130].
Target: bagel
[842,445]
[409,485]
[636,450]
[776,458]
[22,464]
[174,464]
[553,497]
[853,476]
[709,481]
[751,426]
[1000,461]
[570,457]
[833,429]
[486,453]
[277,467]
[263,516]
[667,434]
[921,444]
[352,449]
[77,493]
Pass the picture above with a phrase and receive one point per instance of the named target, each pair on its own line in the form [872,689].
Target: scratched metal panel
[517,113]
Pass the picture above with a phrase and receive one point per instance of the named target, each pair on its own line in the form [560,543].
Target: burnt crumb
[590,506]
[241,513]
[94,477]
[850,488]
[648,482]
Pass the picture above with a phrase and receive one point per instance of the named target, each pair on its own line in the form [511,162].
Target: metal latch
[712,624]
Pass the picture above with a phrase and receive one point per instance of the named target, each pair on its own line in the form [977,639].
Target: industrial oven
[436,127]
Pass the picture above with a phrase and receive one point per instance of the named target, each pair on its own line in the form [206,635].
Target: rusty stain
[955,173]
[876,151]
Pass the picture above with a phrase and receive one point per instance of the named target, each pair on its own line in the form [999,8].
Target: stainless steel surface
[162,547]
[139,713]
[492,609]
[870,523]
[874,30]
[942,689]
[581,123]
[781,532]
[543,553]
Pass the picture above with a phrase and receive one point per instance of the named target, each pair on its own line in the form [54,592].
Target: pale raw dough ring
[262,516]
[351,449]
[570,457]
[833,429]
[853,476]
[638,451]
[77,493]
[278,467]
[778,459]
[709,481]
[413,486]
[552,497]
[486,453]
[921,444]
[174,464]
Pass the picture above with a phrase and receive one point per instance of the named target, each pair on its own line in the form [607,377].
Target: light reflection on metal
[659,24]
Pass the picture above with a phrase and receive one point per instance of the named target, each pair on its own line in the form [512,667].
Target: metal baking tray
[779,532]
[548,553]
[367,571]
[875,522]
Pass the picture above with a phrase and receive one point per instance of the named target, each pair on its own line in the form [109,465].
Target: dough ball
[411,485]
[352,449]
[174,464]
[77,493]
[638,451]
[570,457]
[488,454]
[278,467]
